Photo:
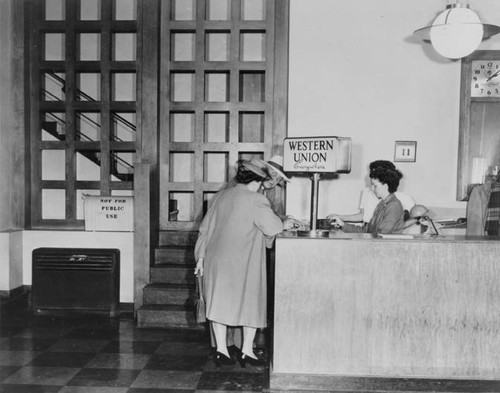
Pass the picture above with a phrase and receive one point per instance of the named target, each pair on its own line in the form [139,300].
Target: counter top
[340,235]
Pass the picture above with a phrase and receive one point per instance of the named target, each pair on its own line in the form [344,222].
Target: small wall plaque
[405,151]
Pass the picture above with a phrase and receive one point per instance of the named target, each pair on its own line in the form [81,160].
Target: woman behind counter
[231,257]
[388,216]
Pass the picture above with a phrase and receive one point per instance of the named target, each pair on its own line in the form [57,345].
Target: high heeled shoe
[245,359]
[222,360]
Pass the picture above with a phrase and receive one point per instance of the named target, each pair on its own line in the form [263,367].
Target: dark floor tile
[177,362]
[148,347]
[134,361]
[6,371]
[104,377]
[9,331]
[17,358]
[93,334]
[132,333]
[221,380]
[26,344]
[167,379]
[54,332]
[77,345]
[93,389]
[29,389]
[42,375]
[187,335]
[62,359]
[182,347]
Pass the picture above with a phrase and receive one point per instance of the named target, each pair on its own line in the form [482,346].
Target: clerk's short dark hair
[381,164]
[391,177]
[248,172]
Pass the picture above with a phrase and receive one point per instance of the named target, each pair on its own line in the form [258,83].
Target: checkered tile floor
[95,354]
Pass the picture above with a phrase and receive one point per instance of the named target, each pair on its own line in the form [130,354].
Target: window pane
[54,46]
[89,86]
[183,10]
[124,47]
[183,47]
[253,46]
[218,10]
[182,86]
[215,167]
[89,48]
[253,10]
[125,10]
[53,165]
[53,204]
[217,46]
[122,166]
[53,86]
[251,127]
[216,127]
[88,165]
[124,126]
[88,126]
[54,10]
[182,127]
[123,87]
[54,126]
[182,167]
[185,203]
[217,86]
[90,9]
[252,86]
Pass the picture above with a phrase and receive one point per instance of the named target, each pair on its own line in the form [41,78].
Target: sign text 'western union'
[317,154]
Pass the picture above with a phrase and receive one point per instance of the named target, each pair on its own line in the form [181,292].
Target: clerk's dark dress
[388,217]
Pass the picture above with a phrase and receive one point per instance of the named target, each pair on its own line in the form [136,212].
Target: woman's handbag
[199,301]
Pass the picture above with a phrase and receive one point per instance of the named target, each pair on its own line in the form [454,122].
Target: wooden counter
[354,305]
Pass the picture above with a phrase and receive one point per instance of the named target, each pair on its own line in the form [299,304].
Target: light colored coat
[232,241]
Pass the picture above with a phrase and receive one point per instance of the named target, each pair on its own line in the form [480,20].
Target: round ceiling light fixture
[457,31]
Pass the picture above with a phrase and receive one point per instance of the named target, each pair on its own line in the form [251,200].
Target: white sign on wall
[109,213]
[317,154]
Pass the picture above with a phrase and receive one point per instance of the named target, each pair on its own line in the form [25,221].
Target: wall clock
[485,78]
[479,138]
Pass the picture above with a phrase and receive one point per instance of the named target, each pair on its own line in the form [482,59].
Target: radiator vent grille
[76,279]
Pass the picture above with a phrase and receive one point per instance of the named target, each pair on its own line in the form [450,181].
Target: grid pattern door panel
[82,105]
[216,99]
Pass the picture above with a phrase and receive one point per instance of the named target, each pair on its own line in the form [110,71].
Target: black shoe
[244,360]
[222,360]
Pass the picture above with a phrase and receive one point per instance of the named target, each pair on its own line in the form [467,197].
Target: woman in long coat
[230,255]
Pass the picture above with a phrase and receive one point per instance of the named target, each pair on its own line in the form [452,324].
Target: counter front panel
[374,307]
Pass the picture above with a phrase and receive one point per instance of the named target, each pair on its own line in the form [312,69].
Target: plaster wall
[357,71]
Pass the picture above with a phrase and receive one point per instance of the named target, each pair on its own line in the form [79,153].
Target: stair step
[167,316]
[178,238]
[174,254]
[173,274]
[159,293]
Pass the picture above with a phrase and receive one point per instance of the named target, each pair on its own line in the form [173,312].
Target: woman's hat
[252,166]
[276,164]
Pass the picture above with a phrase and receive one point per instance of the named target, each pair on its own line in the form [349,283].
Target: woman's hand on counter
[336,222]
[290,223]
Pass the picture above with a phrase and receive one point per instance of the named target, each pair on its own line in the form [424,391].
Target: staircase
[167,298]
